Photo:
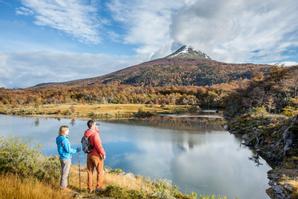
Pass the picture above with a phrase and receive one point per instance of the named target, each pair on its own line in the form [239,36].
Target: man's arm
[98,146]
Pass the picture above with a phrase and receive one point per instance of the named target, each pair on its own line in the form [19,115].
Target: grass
[120,179]
[12,186]
[118,184]
[97,111]
[118,187]
[293,184]
[26,173]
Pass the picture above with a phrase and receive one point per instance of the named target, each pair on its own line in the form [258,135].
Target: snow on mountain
[285,63]
[188,52]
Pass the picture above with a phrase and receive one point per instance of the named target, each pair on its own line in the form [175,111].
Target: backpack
[86,145]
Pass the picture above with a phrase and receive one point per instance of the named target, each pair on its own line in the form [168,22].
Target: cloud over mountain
[227,30]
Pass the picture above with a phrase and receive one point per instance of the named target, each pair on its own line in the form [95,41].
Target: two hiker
[91,144]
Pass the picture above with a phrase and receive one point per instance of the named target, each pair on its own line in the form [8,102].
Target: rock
[130,175]
[278,145]
[244,136]
[288,187]
[277,189]
[279,193]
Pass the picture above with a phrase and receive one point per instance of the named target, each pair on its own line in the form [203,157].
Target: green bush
[212,197]
[91,114]
[290,111]
[66,112]
[119,192]
[116,171]
[16,157]
[165,189]
[143,114]
[259,111]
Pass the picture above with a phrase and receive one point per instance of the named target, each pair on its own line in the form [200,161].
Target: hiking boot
[98,190]
[65,189]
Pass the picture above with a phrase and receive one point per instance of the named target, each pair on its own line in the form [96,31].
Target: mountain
[188,52]
[184,67]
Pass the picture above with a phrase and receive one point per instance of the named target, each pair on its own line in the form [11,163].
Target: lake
[205,159]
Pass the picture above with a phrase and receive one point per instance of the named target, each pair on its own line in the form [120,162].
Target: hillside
[275,93]
[184,67]
[264,116]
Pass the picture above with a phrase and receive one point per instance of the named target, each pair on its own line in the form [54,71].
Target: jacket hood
[60,138]
[88,133]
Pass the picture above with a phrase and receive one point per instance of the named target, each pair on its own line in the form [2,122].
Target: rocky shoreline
[275,139]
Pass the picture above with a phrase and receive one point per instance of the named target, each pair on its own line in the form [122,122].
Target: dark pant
[95,162]
[65,167]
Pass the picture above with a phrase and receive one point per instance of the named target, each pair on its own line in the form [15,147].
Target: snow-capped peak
[188,52]
[285,63]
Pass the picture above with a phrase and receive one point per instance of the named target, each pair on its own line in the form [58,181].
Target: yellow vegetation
[12,186]
[108,111]
[126,181]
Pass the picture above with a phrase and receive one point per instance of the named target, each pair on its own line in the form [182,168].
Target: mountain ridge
[185,67]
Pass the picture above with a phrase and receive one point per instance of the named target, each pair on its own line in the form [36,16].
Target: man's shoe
[98,190]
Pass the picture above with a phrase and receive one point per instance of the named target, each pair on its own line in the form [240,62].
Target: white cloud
[24,11]
[286,63]
[147,23]
[24,69]
[239,30]
[75,17]
[227,30]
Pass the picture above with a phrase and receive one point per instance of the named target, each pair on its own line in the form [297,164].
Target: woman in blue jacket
[65,153]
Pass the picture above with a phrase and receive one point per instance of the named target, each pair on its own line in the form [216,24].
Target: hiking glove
[78,149]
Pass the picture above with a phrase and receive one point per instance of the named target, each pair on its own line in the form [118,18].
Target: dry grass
[12,187]
[90,110]
[126,181]
[293,184]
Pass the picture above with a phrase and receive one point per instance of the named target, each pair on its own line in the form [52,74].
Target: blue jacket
[64,149]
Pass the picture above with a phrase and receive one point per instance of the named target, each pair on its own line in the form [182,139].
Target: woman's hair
[62,129]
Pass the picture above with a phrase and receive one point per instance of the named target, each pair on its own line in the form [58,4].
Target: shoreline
[270,142]
[38,169]
[178,121]
[282,179]
[96,111]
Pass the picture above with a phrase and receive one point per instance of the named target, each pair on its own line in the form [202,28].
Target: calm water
[201,160]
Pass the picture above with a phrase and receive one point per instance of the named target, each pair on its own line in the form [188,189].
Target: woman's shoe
[65,189]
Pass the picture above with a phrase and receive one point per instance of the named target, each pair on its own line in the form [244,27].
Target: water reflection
[72,122]
[202,160]
[36,122]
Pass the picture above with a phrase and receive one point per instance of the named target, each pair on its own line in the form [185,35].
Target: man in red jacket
[95,159]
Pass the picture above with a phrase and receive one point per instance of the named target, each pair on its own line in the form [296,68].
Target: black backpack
[86,145]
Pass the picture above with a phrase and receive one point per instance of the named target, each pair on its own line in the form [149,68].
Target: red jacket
[95,141]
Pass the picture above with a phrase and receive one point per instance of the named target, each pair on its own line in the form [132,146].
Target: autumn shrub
[259,111]
[91,115]
[290,111]
[66,112]
[16,157]
[143,114]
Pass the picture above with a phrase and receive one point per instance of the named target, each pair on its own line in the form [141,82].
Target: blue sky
[61,40]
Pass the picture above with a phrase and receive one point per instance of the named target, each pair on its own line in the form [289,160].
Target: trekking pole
[79,171]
